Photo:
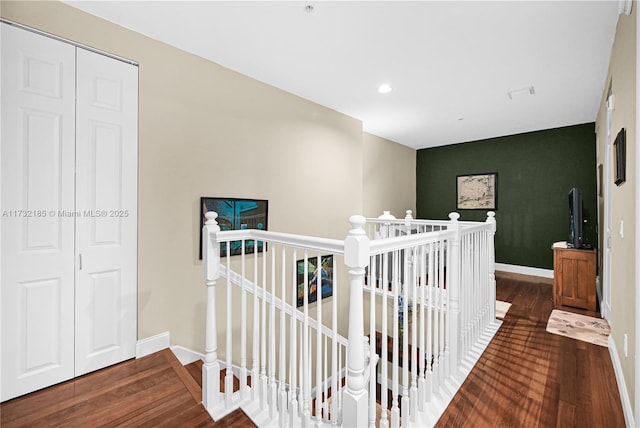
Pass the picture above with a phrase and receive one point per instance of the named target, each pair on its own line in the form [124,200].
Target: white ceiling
[451,64]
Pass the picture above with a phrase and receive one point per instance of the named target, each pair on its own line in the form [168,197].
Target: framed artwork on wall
[600,175]
[236,214]
[323,271]
[477,191]
[620,158]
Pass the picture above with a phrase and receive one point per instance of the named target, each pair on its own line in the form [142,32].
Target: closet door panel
[37,167]
[106,192]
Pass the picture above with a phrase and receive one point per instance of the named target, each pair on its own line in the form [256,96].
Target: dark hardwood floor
[530,378]
[526,378]
[154,391]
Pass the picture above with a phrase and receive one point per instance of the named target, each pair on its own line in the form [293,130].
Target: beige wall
[389,177]
[622,77]
[208,131]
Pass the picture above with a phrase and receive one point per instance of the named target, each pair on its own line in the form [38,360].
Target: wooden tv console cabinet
[574,278]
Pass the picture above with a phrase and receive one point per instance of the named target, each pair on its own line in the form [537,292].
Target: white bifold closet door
[68,163]
[106,198]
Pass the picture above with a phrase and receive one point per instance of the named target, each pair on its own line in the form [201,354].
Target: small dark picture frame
[620,158]
[477,191]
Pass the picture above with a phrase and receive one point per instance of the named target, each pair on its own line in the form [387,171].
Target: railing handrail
[470,228]
[401,222]
[418,222]
[334,246]
[383,245]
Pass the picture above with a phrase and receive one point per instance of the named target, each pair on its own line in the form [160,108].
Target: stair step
[192,386]
[195,370]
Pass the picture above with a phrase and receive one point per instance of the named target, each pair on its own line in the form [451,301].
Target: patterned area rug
[580,327]
[501,309]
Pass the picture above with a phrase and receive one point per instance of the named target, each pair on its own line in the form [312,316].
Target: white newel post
[384,229]
[453,290]
[408,219]
[491,219]
[356,257]
[211,266]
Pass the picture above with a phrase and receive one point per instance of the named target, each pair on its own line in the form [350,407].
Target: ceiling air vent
[519,93]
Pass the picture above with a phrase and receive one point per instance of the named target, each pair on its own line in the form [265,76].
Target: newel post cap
[491,219]
[356,245]
[211,217]
[408,218]
[386,215]
[211,224]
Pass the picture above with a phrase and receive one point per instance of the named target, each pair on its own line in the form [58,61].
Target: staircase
[426,289]
[192,374]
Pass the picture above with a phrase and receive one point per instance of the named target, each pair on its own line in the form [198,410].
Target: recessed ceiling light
[385,88]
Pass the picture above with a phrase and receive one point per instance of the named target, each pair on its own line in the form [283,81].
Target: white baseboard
[627,408]
[152,344]
[525,270]
[186,356]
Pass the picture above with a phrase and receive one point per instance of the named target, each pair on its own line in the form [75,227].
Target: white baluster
[305,382]
[443,320]
[465,299]
[211,267]
[325,383]
[405,408]
[491,219]
[437,311]
[395,409]
[228,377]
[273,385]
[243,325]
[264,385]
[413,393]
[319,340]
[255,367]
[422,357]
[335,364]
[476,285]
[293,347]
[384,350]
[356,257]
[430,307]
[283,350]
[372,341]
[453,289]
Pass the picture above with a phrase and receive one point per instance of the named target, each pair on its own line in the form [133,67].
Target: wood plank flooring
[530,378]
[526,378]
[154,391]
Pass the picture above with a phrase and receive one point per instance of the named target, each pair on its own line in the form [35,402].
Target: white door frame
[637,237]
[605,304]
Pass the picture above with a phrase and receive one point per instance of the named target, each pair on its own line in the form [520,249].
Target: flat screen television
[575,218]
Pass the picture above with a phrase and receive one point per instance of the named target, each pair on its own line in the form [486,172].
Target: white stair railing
[288,358]
[423,291]
[431,285]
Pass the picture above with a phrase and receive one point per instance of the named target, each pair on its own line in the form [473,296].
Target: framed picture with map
[477,191]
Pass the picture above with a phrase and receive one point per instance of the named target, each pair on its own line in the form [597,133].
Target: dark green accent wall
[535,170]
